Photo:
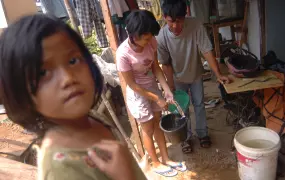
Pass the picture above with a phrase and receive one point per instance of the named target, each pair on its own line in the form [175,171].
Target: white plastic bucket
[257,153]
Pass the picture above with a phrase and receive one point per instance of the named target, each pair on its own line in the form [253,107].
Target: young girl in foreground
[48,84]
[137,61]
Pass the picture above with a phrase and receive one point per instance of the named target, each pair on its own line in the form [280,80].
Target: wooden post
[244,24]
[216,40]
[71,16]
[113,38]
[261,9]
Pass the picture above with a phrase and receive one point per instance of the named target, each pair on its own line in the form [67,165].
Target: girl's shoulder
[123,49]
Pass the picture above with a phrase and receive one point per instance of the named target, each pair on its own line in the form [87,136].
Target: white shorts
[140,107]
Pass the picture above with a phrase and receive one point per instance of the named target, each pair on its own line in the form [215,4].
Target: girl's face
[143,40]
[66,88]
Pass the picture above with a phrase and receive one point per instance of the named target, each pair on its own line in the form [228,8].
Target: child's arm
[161,78]
[120,164]
[129,79]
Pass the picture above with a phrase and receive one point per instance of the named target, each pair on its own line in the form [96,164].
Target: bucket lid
[182,98]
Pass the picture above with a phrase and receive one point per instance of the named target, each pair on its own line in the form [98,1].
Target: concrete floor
[216,163]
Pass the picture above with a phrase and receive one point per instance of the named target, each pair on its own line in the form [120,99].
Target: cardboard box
[275,125]
[14,9]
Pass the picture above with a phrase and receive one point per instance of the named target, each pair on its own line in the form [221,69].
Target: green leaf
[90,42]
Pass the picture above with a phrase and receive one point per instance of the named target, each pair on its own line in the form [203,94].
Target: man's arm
[209,56]
[205,47]
[159,75]
[168,71]
[164,59]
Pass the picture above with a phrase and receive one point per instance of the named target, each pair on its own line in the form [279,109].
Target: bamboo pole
[119,126]
[71,16]
[113,38]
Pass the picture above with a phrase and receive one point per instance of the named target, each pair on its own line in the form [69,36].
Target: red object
[59,156]
[132,4]
[245,160]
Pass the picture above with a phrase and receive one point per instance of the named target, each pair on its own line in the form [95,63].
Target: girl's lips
[73,94]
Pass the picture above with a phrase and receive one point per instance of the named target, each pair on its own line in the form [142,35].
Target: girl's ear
[135,38]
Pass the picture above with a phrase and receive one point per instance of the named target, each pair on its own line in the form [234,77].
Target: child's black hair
[141,22]
[174,8]
[21,58]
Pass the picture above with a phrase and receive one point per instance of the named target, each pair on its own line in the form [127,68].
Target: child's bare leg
[148,132]
[160,139]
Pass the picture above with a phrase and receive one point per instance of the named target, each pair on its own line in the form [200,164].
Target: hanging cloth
[119,10]
[152,6]
[90,20]
[144,4]
[132,4]
[55,8]
[99,9]
[118,7]
[156,9]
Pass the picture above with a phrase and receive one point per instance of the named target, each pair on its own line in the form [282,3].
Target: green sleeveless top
[57,163]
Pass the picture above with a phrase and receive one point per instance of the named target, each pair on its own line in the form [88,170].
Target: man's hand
[223,79]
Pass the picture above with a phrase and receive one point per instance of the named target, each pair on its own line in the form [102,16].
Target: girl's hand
[118,165]
[162,103]
[169,97]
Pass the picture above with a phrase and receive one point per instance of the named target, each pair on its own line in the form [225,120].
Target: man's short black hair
[141,22]
[21,58]
[174,8]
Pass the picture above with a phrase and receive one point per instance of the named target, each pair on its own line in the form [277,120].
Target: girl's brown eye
[43,72]
[74,60]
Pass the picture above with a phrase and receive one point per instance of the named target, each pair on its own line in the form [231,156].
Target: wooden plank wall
[14,170]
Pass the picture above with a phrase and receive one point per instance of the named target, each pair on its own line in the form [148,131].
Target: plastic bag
[108,70]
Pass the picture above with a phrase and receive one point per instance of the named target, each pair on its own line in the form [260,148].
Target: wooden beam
[119,126]
[102,106]
[111,31]
[11,170]
[113,38]
[244,24]
[261,9]
[216,41]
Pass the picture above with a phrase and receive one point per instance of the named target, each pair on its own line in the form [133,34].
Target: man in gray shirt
[179,45]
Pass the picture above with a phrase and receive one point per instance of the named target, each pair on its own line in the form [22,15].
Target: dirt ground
[13,142]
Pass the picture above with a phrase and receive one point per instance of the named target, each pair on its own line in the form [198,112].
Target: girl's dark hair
[174,8]
[141,22]
[21,58]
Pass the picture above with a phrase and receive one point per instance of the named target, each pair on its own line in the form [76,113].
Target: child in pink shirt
[137,61]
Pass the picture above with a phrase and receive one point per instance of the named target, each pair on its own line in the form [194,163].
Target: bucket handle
[179,109]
